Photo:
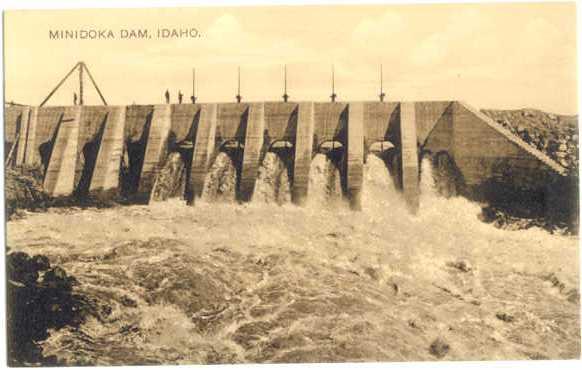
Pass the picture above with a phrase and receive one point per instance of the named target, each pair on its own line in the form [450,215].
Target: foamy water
[379,194]
[220,182]
[324,183]
[272,282]
[272,185]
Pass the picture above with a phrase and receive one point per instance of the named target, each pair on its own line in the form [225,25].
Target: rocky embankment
[40,298]
[553,134]
[23,190]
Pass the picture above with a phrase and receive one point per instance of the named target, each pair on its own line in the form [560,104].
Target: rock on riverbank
[553,134]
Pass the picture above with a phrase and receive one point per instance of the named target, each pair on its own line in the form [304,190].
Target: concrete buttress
[203,147]
[410,178]
[31,150]
[156,146]
[254,135]
[355,154]
[60,173]
[106,172]
[303,152]
[22,139]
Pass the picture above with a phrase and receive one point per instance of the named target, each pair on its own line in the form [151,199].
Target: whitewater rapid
[268,281]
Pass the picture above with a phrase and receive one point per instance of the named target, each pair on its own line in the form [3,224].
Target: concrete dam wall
[83,149]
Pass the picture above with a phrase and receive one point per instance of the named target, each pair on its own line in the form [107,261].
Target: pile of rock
[502,219]
[554,135]
[39,297]
[24,191]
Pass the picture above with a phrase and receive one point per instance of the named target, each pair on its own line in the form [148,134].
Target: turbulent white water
[272,185]
[220,182]
[259,282]
[427,181]
[324,183]
[379,194]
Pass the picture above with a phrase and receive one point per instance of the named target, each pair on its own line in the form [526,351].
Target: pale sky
[490,55]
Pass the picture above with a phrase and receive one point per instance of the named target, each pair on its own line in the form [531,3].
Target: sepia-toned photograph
[291,184]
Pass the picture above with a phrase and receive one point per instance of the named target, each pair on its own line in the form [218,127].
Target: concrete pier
[303,153]
[105,177]
[23,136]
[30,152]
[355,154]
[204,146]
[60,174]
[254,135]
[155,150]
[408,139]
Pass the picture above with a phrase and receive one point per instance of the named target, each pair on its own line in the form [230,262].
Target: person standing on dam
[180,96]
[74,98]
[167,95]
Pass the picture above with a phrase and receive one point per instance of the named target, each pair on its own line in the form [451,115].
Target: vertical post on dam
[355,154]
[254,135]
[410,178]
[59,179]
[203,148]
[303,152]
[155,148]
[106,172]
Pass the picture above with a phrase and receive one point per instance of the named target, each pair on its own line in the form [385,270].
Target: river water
[268,281]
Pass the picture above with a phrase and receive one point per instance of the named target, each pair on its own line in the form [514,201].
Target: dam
[83,149]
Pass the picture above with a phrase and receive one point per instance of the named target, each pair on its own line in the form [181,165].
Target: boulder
[461,265]
[439,348]
[487,215]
